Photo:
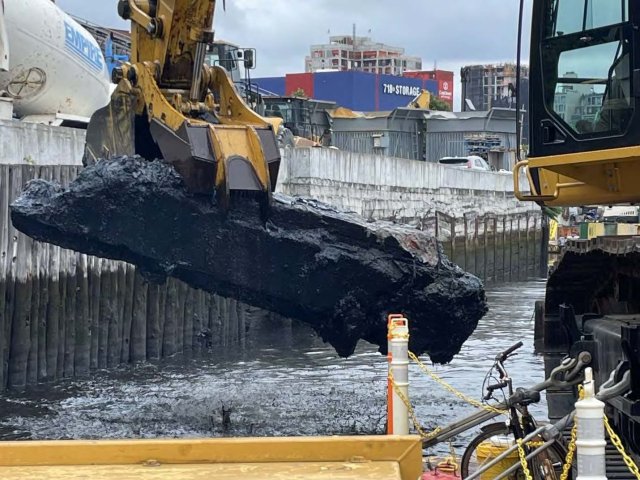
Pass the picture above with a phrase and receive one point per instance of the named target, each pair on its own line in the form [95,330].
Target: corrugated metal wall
[451,144]
[401,144]
[410,144]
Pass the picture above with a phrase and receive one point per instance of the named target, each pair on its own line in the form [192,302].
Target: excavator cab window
[582,64]
[226,56]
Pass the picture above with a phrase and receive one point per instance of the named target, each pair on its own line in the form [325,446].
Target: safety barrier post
[398,357]
[590,441]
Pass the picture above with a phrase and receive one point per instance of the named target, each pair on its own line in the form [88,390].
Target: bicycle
[569,373]
[496,438]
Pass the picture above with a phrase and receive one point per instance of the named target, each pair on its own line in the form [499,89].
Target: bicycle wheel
[492,441]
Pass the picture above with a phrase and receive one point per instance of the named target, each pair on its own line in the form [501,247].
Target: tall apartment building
[486,86]
[346,52]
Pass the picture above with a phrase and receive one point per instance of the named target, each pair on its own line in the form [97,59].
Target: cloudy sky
[451,33]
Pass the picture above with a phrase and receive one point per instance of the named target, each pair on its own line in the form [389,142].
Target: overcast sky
[451,33]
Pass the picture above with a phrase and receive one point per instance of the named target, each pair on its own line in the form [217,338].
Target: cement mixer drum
[55,65]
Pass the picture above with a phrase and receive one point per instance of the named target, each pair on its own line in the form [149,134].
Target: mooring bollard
[590,440]
[398,358]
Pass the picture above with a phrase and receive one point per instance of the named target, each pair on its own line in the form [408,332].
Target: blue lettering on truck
[83,48]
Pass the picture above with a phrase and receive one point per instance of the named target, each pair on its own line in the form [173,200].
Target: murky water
[295,388]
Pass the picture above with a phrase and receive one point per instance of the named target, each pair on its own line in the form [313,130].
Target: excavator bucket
[111,130]
[219,155]
[336,458]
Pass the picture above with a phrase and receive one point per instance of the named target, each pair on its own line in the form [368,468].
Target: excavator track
[593,303]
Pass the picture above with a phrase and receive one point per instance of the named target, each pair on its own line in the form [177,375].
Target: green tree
[439,104]
[300,93]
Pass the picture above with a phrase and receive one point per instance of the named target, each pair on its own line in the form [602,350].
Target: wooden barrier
[496,248]
[63,314]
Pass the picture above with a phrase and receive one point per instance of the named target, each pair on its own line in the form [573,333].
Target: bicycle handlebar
[496,386]
[501,357]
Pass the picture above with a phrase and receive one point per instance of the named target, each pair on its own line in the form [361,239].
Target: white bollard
[590,440]
[398,356]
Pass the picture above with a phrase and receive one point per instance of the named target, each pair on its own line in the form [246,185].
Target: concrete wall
[35,144]
[391,188]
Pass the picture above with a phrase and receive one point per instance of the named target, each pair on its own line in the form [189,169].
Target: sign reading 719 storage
[405,90]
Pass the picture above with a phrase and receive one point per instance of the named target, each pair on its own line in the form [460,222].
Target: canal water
[289,385]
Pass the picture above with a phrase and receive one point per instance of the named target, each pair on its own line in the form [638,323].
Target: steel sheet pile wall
[63,314]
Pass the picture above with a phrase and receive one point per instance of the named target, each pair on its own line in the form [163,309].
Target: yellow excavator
[584,149]
[170,105]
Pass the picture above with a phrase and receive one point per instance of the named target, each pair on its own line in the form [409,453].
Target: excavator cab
[584,123]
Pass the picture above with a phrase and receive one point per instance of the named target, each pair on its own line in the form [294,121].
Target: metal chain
[523,460]
[414,419]
[452,390]
[615,440]
[571,450]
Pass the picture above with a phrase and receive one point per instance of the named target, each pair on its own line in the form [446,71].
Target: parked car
[472,162]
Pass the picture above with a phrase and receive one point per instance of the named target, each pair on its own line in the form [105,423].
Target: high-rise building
[486,86]
[346,52]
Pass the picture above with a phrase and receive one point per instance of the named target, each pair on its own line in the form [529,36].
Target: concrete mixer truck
[51,69]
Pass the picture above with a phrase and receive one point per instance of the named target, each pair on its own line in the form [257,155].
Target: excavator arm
[169,105]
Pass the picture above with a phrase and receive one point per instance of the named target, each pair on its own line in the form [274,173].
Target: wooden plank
[188,321]
[122,294]
[466,243]
[224,321]
[65,259]
[161,316]
[43,274]
[485,255]
[242,324]
[153,322]
[510,249]
[224,471]
[82,364]
[70,317]
[311,457]
[19,304]
[198,319]
[53,313]
[139,320]
[182,295]
[495,249]
[114,328]
[4,256]
[106,313]
[32,360]
[95,294]
[128,313]
[170,308]
[526,247]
